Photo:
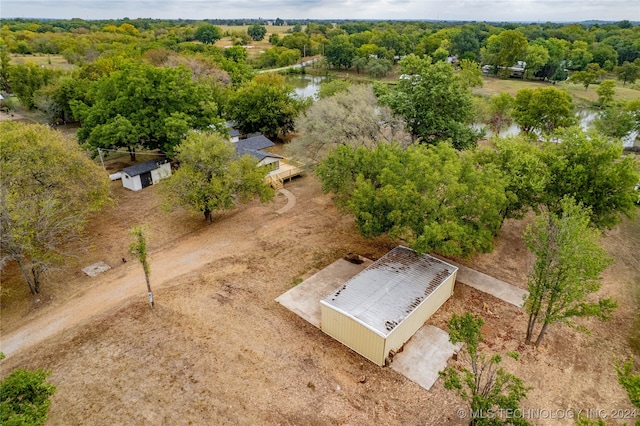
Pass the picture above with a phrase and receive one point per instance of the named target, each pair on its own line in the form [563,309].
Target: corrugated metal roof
[387,291]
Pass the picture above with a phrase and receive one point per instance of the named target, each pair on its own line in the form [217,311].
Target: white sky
[469,10]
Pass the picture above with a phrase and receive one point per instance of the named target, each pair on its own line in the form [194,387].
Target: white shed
[145,174]
[380,308]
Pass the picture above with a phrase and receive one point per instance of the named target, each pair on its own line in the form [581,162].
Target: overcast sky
[468,10]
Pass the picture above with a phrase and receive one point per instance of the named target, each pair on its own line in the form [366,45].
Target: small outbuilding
[379,309]
[145,174]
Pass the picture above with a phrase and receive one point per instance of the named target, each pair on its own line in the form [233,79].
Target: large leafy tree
[591,168]
[566,271]
[628,72]
[48,189]
[482,383]
[543,109]
[143,105]
[433,197]
[257,32]
[505,49]
[351,117]
[208,34]
[24,398]
[434,101]
[340,52]
[587,77]
[266,104]
[525,170]
[212,177]
[26,79]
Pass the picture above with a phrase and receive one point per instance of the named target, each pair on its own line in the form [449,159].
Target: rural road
[115,287]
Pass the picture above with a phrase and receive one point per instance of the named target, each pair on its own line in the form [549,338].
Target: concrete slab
[487,284]
[304,299]
[96,268]
[424,355]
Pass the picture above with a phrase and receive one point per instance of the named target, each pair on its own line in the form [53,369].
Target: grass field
[48,61]
[492,86]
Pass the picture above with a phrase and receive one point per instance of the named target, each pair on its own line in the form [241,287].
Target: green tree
[579,56]
[432,197]
[466,44]
[5,66]
[138,248]
[500,108]
[543,109]
[505,49]
[588,77]
[566,271]
[27,79]
[618,120]
[605,56]
[257,32]
[628,72]
[526,173]
[332,87]
[340,52]
[482,383]
[591,169]
[208,34]
[24,398]
[265,104]
[47,192]
[606,91]
[140,105]
[212,178]
[537,56]
[378,68]
[470,73]
[435,104]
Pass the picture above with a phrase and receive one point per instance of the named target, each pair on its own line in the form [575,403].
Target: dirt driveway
[218,349]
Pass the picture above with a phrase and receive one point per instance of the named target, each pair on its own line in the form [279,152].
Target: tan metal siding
[416,319]
[351,333]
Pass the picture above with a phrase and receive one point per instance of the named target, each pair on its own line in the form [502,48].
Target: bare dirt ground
[218,349]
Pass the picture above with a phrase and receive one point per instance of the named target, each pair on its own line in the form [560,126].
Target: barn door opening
[145,179]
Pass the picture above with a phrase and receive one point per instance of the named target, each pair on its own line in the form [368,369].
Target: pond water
[307,86]
[585,120]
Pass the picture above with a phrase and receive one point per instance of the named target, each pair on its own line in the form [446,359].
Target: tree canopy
[212,177]
[24,398]
[543,109]
[433,197]
[566,271]
[143,105]
[591,168]
[482,383]
[208,34]
[49,188]
[266,105]
[434,102]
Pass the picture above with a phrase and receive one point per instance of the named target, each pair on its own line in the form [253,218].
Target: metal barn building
[380,308]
